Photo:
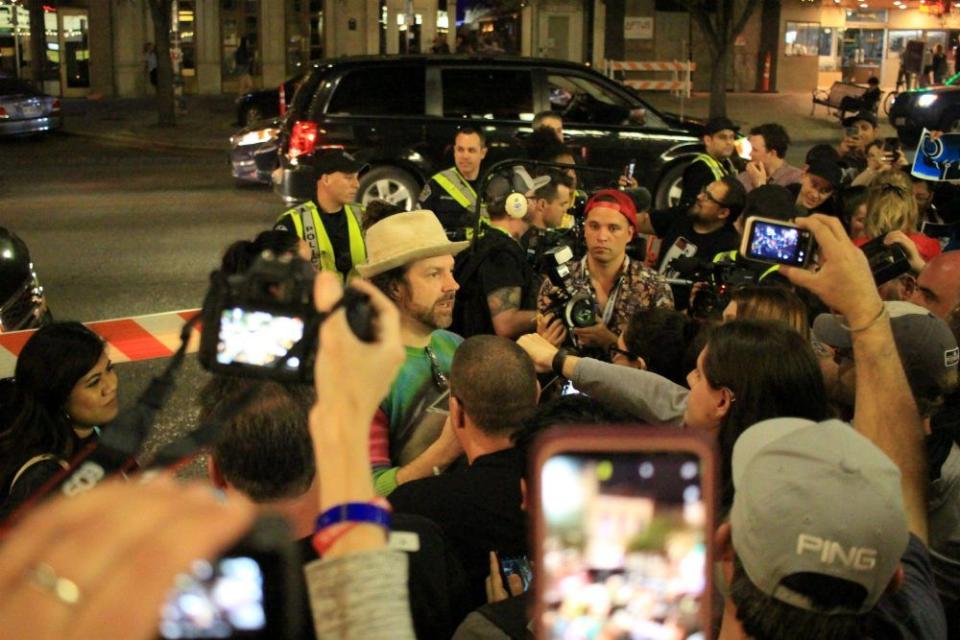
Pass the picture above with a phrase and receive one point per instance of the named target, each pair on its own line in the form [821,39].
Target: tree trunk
[718,82]
[160,10]
[38,45]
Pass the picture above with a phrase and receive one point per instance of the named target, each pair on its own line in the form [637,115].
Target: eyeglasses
[614,350]
[709,196]
[439,377]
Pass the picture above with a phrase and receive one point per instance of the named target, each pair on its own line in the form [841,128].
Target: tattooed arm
[508,320]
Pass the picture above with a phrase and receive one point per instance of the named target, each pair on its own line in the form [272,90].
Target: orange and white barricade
[128,339]
[681,83]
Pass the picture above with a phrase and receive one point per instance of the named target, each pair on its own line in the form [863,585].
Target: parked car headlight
[254,137]
[927,99]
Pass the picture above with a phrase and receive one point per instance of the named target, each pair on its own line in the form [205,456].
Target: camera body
[722,278]
[886,261]
[575,306]
[263,323]
[254,590]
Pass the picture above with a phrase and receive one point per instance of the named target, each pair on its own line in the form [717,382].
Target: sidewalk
[791,110]
[206,126]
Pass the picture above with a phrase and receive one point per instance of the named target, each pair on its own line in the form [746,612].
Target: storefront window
[802,39]
[187,37]
[827,39]
[898,40]
[867,15]
[304,33]
[239,25]
[14,40]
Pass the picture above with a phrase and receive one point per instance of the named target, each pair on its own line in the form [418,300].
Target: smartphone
[629,170]
[622,518]
[516,565]
[252,591]
[852,132]
[776,242]
[568,389]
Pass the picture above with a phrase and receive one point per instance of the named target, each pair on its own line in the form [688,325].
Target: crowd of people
[401,471]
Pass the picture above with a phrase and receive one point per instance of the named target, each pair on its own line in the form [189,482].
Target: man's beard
[432,316]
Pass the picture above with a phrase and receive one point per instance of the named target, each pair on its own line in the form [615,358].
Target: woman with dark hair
[768,303]
[64,389]
[783,379]
[241,255]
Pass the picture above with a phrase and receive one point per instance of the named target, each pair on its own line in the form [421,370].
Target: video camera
[263,323]
[576,307]
[721,278]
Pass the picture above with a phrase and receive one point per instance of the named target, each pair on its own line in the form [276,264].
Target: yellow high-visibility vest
[718,170]
[457,186]
[309,227]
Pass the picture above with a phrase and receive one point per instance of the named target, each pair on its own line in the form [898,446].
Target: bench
[832,99]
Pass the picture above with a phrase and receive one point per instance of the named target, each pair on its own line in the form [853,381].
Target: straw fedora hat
[405,237]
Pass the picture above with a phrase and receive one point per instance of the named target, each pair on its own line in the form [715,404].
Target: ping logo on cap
[951,357]
[832,552]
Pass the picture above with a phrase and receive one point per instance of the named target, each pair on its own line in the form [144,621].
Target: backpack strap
[43,457]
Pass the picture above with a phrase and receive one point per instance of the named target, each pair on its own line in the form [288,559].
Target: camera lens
[581,312]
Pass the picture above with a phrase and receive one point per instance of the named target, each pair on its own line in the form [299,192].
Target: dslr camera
[263,323]
[721,278]
[576,307]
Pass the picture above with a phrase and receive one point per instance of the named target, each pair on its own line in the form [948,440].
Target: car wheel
[390,184]
[670,187]
[252,113]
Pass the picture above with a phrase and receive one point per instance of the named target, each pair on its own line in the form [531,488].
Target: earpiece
[516,205]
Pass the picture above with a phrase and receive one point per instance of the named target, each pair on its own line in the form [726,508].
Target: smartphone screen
[518,565]
[257,337]
[224,599]
[780,243]
[630,168]
[624,546]
[852,132]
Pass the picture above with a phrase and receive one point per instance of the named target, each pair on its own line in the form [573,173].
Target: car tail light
[56,105]
[283,101]
[303,140]
[3,113]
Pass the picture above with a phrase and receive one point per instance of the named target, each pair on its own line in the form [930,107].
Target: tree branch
[748,9]
[698,11]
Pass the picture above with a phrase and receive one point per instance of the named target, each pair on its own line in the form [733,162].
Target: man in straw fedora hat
[410,259]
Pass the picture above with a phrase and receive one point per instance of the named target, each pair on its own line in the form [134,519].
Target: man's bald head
[938,285]
[496,383]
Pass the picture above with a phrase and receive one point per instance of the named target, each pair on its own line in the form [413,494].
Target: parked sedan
[934,108]
[25,111]
[254,106]
[253,152]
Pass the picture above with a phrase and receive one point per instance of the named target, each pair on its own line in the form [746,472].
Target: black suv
[400,114]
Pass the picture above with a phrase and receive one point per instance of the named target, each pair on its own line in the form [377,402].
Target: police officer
[452,193]
[331,222]
[719,136]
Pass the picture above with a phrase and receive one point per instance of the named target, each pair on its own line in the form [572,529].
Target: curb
[134,141]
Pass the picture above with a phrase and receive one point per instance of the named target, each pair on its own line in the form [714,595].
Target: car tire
[251,113]
[670,186]
[391,184]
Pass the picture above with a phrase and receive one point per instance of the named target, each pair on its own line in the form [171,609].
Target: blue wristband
[353,512]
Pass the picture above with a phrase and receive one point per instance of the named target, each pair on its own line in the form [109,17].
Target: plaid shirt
[640,288]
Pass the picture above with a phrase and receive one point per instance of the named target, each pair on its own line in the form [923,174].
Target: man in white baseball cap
[827,535]
[410,259]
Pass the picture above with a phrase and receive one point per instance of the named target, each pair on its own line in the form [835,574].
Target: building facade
[97,47]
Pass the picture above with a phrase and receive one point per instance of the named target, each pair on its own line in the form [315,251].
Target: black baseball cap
[335,161]
[829,171]
[717,124]
[866,116]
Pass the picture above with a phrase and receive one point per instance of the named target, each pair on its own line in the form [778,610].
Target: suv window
[583,101]
[499,94]
[380,91]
